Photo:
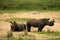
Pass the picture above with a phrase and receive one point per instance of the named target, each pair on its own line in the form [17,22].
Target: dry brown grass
[5,26]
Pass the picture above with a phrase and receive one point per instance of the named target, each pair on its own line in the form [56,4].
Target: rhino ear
[10,21]
[48,18]
[53,20]
[14,22]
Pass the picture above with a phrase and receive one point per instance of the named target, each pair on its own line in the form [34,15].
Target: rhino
[17,27]
[39,23]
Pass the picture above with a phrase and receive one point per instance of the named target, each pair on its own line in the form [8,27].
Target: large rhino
[17,27]
[39,23]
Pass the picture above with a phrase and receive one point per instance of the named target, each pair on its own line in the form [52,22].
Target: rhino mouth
[50,24]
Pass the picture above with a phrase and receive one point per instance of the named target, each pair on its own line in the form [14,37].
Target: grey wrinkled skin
[17,27]
[39,23]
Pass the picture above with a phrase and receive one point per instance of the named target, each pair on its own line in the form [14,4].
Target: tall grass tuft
[9,34]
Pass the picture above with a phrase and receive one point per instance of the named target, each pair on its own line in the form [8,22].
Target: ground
[5,26]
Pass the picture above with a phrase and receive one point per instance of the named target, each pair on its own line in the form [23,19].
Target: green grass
[54,38]
[21,38]
[10,11]
[26,39]
[17,19]
[12,38]
[24,10]
[30,5]
[49,33]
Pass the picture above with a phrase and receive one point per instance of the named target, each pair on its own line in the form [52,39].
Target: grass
[9,11]
[9,34]
[12,38]
[57,19]
[30,38]
[54,38]
[17,19]
[29,5]
[21,38]
[57,34]
[24,10]
[49,33]
[26,39]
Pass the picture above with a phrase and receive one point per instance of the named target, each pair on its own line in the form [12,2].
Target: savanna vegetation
[50,33]
[30,4]
[16,19]
[31,37]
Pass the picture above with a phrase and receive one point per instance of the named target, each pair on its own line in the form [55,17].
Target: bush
[30,4]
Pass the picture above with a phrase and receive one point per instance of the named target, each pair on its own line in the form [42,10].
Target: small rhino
[17,27]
